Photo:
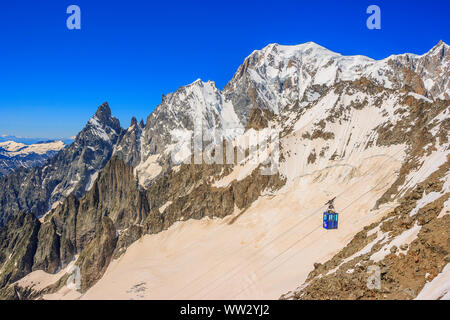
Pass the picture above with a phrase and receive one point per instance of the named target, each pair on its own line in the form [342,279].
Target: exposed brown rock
[259,119]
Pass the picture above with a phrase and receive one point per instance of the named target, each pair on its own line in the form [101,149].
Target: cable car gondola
[330,217]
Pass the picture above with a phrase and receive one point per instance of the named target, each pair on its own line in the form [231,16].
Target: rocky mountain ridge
[272,79]
[333,114]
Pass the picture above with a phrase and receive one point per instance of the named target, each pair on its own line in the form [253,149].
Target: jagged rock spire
[103,112]
[133,121]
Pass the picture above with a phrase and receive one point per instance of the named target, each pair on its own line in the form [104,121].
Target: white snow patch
[438,288]
[164,206]
[426,199]
[91,181]
[148,170]
[445,209]
[406,237]
[419,97]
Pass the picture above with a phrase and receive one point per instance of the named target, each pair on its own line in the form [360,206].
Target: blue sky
[131,52]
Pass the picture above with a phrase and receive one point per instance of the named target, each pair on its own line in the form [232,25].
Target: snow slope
[261,255]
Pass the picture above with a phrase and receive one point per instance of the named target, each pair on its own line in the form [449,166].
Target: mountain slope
[261,252]
[409,247]
[271,79]
[165,141]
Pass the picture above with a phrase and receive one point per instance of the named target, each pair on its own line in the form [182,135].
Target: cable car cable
[284,233]
[296,242]
[295,225]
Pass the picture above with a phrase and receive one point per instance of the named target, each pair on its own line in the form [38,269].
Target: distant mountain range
[15,155]
[5,138]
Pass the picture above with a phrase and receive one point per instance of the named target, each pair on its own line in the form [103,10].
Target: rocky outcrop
[259,119]
[119,194]
[47,254]
[414,130]
[129,147]
[427,74]
[65,220]
[207,201]
[94,260]
[126,238]
[115,194]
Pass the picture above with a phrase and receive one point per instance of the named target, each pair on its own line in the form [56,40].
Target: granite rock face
[94,260]
[47,253]
[18,243]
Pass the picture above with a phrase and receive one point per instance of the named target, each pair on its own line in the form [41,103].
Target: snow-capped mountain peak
[102,125]
[273,78]
[278,75]
[441,47]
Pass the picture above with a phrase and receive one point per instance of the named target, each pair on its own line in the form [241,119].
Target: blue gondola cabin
[330,220]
